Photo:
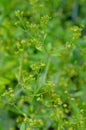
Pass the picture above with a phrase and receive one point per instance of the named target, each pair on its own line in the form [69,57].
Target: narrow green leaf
[22,127]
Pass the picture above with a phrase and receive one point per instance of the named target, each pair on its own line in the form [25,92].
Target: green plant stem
[20,68]
[46,70]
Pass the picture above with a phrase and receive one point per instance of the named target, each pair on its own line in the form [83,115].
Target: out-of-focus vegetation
[42,64]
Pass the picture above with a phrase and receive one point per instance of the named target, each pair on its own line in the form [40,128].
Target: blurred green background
[65,62]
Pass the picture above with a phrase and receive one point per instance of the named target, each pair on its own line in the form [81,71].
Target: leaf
[22,127]
[4,81]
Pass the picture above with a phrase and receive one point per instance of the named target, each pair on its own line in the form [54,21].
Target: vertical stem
[20,68]
[46,70]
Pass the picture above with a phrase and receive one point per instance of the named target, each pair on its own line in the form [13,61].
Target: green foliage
[42,65]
